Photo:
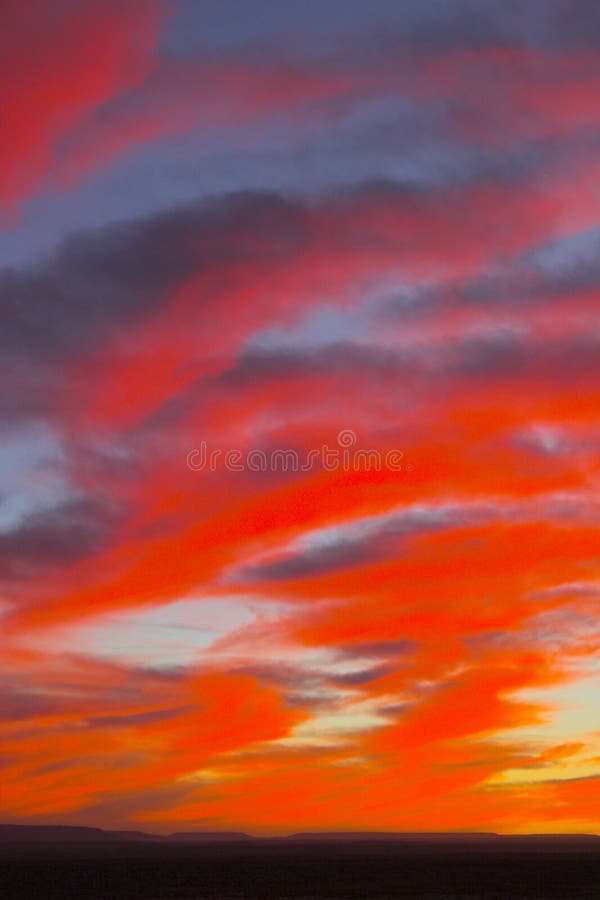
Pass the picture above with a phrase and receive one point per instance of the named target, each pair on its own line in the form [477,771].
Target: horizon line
[310,834]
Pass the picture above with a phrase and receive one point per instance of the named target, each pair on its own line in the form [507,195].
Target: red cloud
[59,62]
[398,615]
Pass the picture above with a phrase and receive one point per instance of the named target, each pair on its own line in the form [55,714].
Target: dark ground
[307,870]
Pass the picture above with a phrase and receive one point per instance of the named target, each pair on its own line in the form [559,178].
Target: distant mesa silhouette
[67,834]
[198,836]
[460,836]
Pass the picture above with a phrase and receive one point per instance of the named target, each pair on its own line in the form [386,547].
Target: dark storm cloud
[545,275]
[104,700]
[363,546]
[28,383]
[349,553]
[499,353]
[67,532]
[134,720]
[384,649]
[362,676]
[16,705]
[100,281]
[507,356]
[259,364]
[317,690]
[433,25]
[280,674]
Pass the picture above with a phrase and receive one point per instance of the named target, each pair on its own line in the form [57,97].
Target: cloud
[108,45]
[55,537]
[365,543]
[421,269]
[89,734]
[101,281]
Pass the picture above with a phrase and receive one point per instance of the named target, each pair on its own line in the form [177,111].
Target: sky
[300,458]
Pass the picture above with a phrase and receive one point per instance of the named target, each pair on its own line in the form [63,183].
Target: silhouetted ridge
[459,836]
[69,834]
[195,836]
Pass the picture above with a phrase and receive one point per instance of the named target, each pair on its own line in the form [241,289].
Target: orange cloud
[385,636]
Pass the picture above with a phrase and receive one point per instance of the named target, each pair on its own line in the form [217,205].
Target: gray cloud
[363,545]
[66,532]
[362,676]
[386,649]
[267,24]
[101,280]
[132,720]
[258,364]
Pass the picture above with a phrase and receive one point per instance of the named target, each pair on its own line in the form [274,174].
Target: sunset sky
[248,226]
